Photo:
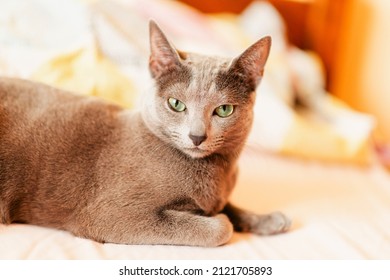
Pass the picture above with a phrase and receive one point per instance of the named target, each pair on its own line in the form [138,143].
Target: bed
[338,200]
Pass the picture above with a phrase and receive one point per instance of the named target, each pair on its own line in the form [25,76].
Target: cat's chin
[196,152]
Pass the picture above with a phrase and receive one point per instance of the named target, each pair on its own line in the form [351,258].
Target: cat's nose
[197,139]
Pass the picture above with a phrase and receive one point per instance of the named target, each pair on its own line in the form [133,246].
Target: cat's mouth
[196,152]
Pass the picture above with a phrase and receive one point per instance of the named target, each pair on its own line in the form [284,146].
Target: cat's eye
[224,110]
[176,104]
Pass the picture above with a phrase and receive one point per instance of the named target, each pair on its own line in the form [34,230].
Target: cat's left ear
[250,64]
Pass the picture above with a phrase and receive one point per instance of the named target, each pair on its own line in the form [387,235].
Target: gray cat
[162,175]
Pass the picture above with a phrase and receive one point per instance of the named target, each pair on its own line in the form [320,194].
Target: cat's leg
[169,227]
[246,221]
[185,228]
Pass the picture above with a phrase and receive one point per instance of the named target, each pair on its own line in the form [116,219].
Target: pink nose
[197,140]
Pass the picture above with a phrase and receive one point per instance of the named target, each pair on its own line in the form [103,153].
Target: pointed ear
[250,64]
[163,56]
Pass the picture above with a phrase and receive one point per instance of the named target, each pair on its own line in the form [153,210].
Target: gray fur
[114,175]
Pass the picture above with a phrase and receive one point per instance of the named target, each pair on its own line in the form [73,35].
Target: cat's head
[202,105]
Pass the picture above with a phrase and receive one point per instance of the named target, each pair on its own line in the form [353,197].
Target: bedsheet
[338,212]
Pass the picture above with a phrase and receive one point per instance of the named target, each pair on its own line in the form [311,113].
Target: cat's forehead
[205,73]
[211,76]
[206,78]
[206,67]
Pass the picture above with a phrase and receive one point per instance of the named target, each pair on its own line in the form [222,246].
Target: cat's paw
[221,231]
[272,223]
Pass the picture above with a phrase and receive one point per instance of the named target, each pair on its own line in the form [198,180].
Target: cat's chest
[206,182]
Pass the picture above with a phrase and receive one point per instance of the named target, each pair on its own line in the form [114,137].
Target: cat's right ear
[163,56]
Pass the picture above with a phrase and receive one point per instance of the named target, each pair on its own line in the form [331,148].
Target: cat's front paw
[221,231]
[272,223]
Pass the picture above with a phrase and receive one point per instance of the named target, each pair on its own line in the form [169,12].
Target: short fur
[113,175]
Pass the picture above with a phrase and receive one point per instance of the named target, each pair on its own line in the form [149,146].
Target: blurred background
[332,56]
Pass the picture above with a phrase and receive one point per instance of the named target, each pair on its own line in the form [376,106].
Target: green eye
[224,110]
[176,105]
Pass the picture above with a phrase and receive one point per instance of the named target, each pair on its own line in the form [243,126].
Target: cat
[159,175]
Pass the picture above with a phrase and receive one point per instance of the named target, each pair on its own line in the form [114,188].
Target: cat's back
[25,103]
[36,114]
[48,137]
[42,127]
[23,94]
[18,96]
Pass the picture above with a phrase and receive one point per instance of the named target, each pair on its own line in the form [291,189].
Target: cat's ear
[163,56]
[250,64]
